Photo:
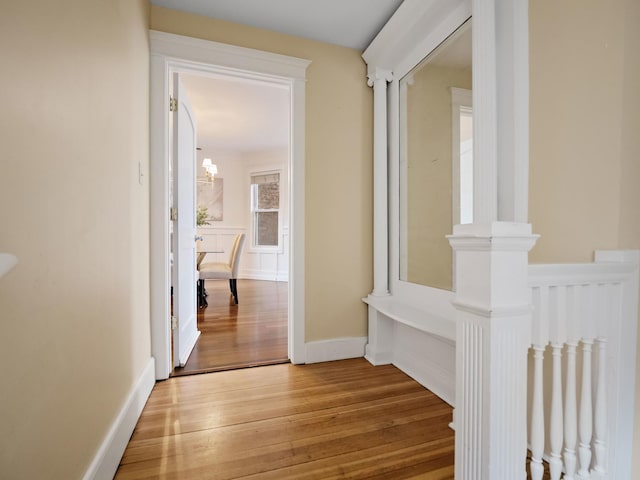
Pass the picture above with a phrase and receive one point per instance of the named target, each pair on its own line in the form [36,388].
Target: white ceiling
[248,116]
[350,23]
[238,115]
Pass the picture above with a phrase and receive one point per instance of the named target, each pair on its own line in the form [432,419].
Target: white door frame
[171,53]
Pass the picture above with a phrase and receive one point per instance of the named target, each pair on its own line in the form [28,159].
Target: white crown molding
[403,36]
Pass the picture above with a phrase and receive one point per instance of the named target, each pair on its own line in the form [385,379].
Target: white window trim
[253,248]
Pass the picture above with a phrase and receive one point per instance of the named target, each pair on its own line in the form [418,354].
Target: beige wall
[576,118]
[75,310]
[338,168]
[585,119]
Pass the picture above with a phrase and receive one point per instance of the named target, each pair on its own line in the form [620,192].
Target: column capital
[378,73]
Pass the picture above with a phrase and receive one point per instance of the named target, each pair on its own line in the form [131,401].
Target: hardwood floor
[254,332]
[336,420]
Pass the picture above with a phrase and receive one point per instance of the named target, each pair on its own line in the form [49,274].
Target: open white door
[185,333]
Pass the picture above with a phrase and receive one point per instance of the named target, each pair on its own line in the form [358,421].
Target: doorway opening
[241,190]
[184,55]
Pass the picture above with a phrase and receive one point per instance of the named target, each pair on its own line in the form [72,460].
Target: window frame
[254,247]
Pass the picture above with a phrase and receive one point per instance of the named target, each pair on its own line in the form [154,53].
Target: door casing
[175,53]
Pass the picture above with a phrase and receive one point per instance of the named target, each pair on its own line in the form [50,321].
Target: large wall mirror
[436,159]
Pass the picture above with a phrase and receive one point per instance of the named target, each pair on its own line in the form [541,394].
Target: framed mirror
[435,159]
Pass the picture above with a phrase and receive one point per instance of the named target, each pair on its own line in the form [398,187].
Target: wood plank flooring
[336,420]
[254,332]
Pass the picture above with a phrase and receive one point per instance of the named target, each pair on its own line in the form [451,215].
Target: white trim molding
[175,53]
[335,349]
[593,305]
[107,459]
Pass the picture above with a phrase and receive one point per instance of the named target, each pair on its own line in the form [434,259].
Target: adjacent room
[242,154]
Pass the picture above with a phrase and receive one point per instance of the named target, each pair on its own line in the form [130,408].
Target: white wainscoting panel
[255,265]
[428,359]
[418,339]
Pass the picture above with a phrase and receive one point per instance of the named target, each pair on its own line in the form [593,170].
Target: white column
[512,66]
[485,113]
[493,300]
[378,79]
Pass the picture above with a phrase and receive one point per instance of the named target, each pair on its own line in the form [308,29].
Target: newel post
[493,299]
[493,303]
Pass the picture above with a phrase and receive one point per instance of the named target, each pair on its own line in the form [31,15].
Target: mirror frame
[415,30]
[500,119]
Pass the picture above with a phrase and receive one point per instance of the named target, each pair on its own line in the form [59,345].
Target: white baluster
[537,416]
[586,412]
[600,443]
[555,427]
[570,414]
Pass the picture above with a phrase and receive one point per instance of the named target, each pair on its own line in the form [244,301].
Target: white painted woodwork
[335,349]
[493,336]
[378,79]
[556,421]
[495,286]
[492,298]
[585,417]
[577,307]
[405,316]
[570,414]
[512,80]
[485,113]
[537,416]
[420,344]
[184,143]
[600,414]
[171,53]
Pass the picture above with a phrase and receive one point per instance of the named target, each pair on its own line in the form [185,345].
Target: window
[265,209]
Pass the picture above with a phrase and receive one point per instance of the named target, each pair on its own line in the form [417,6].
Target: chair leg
[202,296]
[234,289]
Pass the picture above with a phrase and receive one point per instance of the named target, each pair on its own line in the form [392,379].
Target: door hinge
[174,322]
[173,214]
[173,104]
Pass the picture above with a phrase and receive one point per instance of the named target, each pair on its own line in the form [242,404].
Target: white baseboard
[106,461]
[377,358]
[335,349]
